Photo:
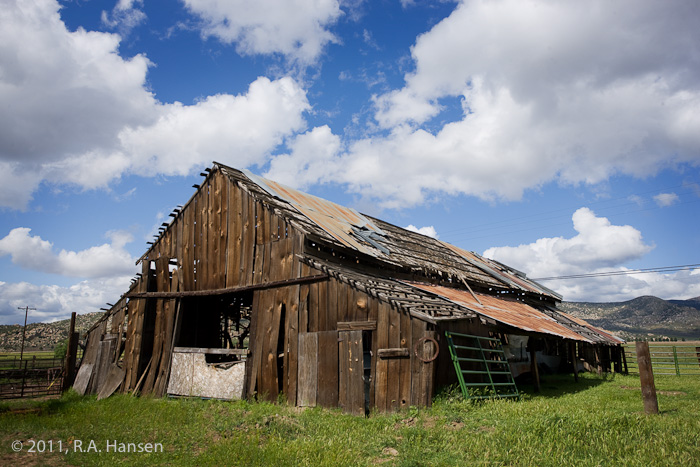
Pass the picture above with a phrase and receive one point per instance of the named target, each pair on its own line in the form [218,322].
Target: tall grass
[599,421]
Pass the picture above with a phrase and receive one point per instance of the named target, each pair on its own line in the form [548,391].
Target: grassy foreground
[599,421]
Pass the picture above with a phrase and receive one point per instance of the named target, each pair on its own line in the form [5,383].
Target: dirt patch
[671,393]
[410,421]
[663,393]
[455,426]
[24,458]
[23,410]
[429,422]
[390,452]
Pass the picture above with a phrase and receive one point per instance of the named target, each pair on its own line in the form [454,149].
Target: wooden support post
[646,376]
[574,363]
[535,370]
[624,360]
[71,351]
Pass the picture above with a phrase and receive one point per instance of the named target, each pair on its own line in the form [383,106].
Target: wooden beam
[357,325]
[227,290]
[399,352]
[211,351]
[472,292]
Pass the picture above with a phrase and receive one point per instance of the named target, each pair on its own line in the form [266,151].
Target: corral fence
[676,360]
[30,377]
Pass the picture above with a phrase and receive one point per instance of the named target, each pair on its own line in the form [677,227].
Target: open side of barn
[254,289]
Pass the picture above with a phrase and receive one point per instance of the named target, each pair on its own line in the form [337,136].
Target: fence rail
[676,360]
[30,377]
[12,362]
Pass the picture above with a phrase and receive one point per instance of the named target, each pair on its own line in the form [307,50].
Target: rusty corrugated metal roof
[581,322]
[494,269]
[338,221]
[354,230]
[510,312]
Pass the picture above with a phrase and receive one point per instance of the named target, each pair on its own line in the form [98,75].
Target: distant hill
[644,316]
[43,336]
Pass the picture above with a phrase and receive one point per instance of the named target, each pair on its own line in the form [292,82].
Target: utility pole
[24,331]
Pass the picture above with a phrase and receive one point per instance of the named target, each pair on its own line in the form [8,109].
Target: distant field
[598,421]
[668,358]
[28,354]
[11,360]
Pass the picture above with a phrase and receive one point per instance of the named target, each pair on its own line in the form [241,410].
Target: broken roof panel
[424,306]
[336,220]
[598,330]
[501,272]
[510,312]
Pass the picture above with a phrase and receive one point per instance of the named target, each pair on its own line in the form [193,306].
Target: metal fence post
[675,361]
[24,377]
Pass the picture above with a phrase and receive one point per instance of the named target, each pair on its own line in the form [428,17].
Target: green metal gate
[678,360]
[482,369]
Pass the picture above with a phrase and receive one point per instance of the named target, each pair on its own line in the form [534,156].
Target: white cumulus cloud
[125,16]
[34,253]
[666,199]
[598,247]
[297,29]
[72,110]
[312,159]
[428,230]
[53,302]
[566,91]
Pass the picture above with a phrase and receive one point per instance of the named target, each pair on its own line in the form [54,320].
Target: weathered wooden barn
[254,289]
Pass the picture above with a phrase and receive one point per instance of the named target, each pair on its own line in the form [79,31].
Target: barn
[256,290]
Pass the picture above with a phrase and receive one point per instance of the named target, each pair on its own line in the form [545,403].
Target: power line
[540,227]
[684,267]
[464,232]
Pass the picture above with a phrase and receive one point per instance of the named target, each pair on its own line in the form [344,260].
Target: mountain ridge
[642,317]
[646,316]
[43,336]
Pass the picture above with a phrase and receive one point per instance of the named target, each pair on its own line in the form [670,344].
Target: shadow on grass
[558,385]
[42,405]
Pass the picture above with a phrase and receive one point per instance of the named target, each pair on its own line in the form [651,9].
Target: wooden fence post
[535,370]
[697,352]
[646,376]
[71,353]
[574,363]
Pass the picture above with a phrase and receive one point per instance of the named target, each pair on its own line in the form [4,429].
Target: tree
[61,349]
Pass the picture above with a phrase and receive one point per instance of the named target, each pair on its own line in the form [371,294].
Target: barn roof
[385,255]
[345,228]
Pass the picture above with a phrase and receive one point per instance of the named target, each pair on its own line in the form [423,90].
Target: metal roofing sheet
[335,219]
[598,330]
[506,277]
[510,312]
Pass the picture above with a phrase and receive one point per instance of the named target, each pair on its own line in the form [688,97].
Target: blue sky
[557,137]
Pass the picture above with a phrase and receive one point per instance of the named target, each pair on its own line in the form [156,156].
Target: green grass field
[599,421]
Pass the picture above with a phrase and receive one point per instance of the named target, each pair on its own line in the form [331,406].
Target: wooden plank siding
[225,238]
[352,393]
